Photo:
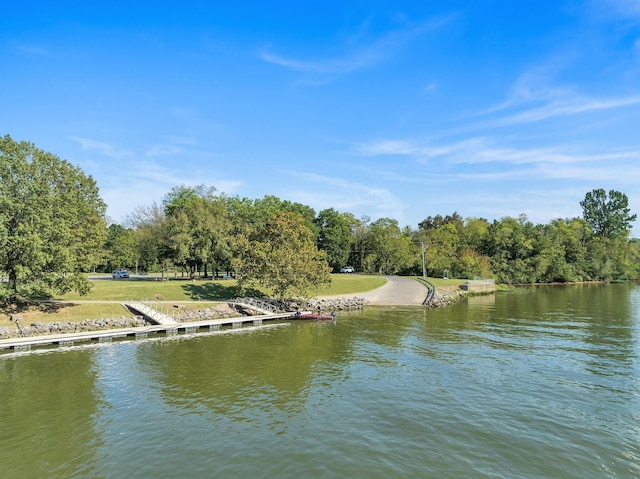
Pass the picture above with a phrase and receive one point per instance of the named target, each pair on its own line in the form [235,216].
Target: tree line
[53,227]
[203,232]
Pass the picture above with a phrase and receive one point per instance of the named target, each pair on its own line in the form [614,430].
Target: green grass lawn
[52,312]
[206,290]
[447,282]
[173,290]
[197,293]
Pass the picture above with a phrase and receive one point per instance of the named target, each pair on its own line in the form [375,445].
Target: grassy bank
[205,290]
[106,295]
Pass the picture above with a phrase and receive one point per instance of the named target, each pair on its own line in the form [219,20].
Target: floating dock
[140,332]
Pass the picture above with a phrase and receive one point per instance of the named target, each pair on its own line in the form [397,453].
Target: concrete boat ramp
[25,343]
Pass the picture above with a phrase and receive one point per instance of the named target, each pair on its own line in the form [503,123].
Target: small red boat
[317,316]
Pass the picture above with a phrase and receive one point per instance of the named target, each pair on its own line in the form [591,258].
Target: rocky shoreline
[443,297]
[330,304]
[60,327]
[446,296]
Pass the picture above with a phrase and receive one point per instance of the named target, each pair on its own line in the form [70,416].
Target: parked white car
[347,269]
[120,273]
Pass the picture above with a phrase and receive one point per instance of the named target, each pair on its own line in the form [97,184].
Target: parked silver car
[120,273]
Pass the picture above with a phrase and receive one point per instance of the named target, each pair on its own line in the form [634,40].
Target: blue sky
[380,108]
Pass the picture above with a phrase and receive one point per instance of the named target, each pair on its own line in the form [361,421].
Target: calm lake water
[544,383]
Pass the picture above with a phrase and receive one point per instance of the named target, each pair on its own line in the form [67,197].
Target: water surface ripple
[544,383]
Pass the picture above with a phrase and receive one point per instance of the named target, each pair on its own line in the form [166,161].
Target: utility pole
[424,269]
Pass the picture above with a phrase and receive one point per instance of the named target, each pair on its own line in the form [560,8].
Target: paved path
[398,290]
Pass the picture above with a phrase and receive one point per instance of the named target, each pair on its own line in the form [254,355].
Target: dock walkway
[150,313]
[69,339]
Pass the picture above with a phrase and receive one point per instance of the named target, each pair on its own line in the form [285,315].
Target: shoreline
[398,291]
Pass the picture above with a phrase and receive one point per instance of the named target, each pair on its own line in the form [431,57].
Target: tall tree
[52,222]
[608,216]
[432,222]
[283,256]
[149,225]
[441,245]
[510,243]
[389,249]
[359,233]
[120,247]
[334,237]
[196,226]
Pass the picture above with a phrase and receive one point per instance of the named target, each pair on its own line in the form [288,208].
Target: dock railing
[430,287]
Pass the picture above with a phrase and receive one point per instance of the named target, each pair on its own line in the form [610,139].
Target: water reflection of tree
[48,407]
[227,372]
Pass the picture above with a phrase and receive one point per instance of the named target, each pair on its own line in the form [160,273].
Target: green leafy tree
[359,233]
[197,227]
[560,251]
[120,247]
[510,243]
[150,249]
[251,215]
[441,244]
[470,264]
[248,217]
[389,249]
[473,233]
[283,257]
[433,222]
[52,222]
[633,259]
[334,237]
[608,215]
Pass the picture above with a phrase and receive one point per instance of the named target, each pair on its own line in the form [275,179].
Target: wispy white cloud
[532,99]
[179,148]
[162,178]
[103,148]
[483,150]
[129,179]
[568,106]
[358,57]
[413,148]
[321,191]
[147,182]
[481,159]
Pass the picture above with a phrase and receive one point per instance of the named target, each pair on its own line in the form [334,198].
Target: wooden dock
[140,332]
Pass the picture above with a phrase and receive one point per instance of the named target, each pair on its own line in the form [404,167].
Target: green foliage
[150,248]
[120,248]
[388,248]
[608,216]
[251,215]
[359,232]
[283,257]
[441,246]
[334,237]
[52,227]
[470,264]
[52,222]
[433,222]
[196,228]
[510,243]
